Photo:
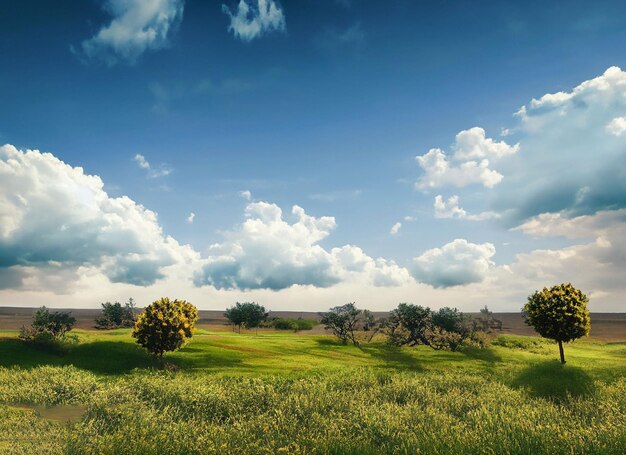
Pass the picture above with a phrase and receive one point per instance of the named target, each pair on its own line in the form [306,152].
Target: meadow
[285,392]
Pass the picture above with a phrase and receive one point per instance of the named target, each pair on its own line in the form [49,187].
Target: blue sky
[233,110]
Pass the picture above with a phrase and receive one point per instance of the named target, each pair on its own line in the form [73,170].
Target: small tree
[114,315]
[559,313]
[57,323]
[343,321]
[409,324]
[165,325]
[49,330]
[248,314]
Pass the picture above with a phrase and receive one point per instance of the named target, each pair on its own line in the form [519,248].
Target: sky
[305,154]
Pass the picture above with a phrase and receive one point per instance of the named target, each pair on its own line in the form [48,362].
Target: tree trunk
[561,352]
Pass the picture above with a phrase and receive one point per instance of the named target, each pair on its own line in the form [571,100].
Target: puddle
[70,413]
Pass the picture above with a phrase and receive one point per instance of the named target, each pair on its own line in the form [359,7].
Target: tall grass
[356,411]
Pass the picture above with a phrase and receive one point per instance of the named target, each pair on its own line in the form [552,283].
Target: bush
[48,331]
[114,315]
[165,325]
[447,328]
[293,324]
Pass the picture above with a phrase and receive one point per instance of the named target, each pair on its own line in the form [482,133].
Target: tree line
[559,313]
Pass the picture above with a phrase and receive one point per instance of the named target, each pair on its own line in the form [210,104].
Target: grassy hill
[295,393]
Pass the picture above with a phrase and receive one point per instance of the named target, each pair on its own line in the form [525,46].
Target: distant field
[604,326]
[280,392]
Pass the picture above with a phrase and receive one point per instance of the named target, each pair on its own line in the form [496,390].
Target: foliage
[292,324]
[48,331]
[446,328]
[486,322]
[57,323]
[165,325]
[559,313]
[115,316]
[247,314]
[343,322]
[409,325]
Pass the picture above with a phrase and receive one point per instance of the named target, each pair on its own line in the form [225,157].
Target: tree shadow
[485,354]
[393,357]
[552,380]
[100,357]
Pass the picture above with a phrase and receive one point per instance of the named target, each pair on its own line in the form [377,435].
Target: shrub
[446,328]
[48,331]
[165,325]
[114,315]
[559,313]
[409,324]
[293,324]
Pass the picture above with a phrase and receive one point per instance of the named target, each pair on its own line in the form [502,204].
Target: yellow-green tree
[559,313]
[165,325]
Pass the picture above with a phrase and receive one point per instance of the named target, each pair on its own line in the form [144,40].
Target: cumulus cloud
[452,209]
[161,171]
[456,263]
[468,164]
[247,195]
[191,217]
[137,26]
[395,228]
[472,144]
[617,126]
[250,21]
[268,252]
[569,163]
[58,220]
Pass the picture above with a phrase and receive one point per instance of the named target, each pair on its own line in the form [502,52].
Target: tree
[114,315]
[49,330]
[486,321]
[343,321]
[446,328]
[248,314]
[559,313]
[165,325]
[57,323]
[410,324]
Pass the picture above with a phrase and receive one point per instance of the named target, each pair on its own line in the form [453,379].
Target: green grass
[298,393]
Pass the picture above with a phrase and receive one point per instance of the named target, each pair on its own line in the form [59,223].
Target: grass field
[291,393]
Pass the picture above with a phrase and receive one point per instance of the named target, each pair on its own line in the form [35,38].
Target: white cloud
[191,218]
[438,172]
[472,144]
[456,263]
[395,228]
[469,163]
[56,220]
[137,26]
[141,161]
[251,21]
[247,195]
[569,162]
[268,252]
[162,171]
[617,126]
[451,209]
